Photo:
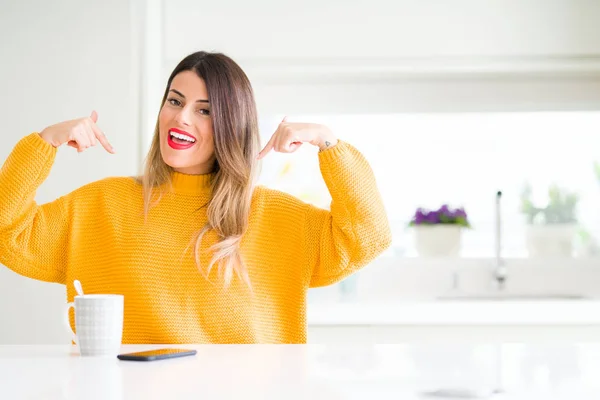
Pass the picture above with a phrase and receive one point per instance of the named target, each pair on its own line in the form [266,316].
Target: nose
[183,117]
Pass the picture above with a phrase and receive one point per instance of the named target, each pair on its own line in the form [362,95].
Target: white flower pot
[442,240]
[550,240]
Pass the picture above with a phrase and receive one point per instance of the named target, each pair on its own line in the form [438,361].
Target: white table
[525,371]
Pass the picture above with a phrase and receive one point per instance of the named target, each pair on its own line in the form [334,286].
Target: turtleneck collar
[191,184]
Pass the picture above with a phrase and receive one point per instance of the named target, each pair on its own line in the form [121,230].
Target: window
[463,159]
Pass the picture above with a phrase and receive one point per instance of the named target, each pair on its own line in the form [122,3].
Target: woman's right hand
[79,133]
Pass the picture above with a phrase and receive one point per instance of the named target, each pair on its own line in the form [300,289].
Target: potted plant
[438,232]
[551,228]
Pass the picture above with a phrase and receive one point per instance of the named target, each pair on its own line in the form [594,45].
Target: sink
[511,297]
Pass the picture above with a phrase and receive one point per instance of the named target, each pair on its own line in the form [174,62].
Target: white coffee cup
[98,322]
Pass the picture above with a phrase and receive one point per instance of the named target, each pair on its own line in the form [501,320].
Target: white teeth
[182,137]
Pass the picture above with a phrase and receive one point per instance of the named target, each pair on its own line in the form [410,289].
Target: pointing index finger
[271,144]
[267,148]
[102,138]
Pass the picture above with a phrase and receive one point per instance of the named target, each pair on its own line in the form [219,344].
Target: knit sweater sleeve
[356,230]
[33,238]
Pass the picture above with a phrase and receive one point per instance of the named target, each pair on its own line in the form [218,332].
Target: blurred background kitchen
[481,121]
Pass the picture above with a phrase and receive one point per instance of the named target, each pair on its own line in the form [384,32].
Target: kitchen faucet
[500,272]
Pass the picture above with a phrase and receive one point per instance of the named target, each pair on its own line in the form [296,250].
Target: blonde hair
[237,143]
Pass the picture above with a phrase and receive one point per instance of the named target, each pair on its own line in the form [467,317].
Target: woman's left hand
[289,136]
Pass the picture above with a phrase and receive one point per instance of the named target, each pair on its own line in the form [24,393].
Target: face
[185,126]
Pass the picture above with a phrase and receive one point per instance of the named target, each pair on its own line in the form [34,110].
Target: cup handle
[68,307]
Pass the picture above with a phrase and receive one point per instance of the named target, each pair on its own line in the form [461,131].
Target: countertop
[457,312]
[405,371]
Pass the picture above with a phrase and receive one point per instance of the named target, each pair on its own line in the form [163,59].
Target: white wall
[60,60]
[381,29]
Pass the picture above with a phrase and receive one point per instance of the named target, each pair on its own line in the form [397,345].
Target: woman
[200,253]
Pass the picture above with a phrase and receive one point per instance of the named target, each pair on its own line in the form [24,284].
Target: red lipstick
[180,144]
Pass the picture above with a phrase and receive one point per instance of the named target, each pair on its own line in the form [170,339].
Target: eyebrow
[181,94]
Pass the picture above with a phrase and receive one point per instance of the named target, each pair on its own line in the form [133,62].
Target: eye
[174,102]
[204,111]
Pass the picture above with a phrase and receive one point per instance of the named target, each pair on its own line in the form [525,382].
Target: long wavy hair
[237,143]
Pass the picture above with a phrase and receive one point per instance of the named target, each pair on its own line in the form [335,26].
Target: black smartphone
[158,354]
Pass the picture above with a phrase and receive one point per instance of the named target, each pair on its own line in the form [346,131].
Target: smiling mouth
[180,140]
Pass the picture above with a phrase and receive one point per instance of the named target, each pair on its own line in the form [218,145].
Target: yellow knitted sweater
[98,234]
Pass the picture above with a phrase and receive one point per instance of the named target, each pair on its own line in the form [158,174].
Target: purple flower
[433,217]
[444,215]
[460,212]
[419,217]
